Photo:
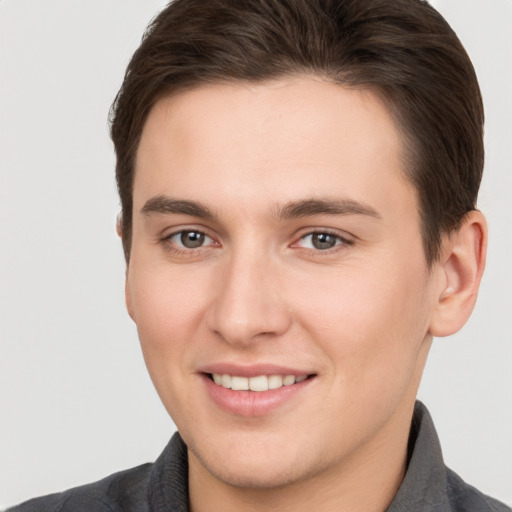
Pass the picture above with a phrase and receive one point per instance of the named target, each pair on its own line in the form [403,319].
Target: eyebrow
[295,209]
[169,205]
[310,207]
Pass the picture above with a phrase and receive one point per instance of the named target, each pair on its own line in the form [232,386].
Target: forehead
[281,136]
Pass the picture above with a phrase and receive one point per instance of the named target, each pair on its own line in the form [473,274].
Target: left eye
[190,239]
[320,241]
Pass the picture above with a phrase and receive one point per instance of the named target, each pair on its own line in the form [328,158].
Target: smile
[257,383]
[256,390]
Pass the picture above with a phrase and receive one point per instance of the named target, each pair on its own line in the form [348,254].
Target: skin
[358,316]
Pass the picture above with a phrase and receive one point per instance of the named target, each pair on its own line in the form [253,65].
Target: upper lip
[253,370]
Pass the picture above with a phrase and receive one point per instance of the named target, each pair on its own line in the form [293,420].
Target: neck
[367,480]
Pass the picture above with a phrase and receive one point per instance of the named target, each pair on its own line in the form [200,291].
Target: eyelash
[340,241]
[177,249]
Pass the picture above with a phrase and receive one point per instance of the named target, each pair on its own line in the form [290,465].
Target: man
[298,182]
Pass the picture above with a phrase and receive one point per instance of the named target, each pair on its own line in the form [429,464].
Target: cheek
[168,306]
[167,309]
[370,321]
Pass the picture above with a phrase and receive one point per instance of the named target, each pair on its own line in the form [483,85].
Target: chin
[254,475]
[250,463]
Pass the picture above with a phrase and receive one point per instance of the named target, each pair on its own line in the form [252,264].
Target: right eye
[189,239]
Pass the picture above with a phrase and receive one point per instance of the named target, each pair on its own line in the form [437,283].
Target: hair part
[402,50]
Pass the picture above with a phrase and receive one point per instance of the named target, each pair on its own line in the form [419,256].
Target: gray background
[75,401]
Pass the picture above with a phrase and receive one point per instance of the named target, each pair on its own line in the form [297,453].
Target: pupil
[192,239]
[323,241]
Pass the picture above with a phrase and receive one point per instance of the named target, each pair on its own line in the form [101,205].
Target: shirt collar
[424,485]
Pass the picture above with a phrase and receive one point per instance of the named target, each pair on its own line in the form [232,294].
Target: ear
[460,270]
[127,292]
[128,296]
[119,225]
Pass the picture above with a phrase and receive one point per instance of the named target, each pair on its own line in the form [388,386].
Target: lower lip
[252,403]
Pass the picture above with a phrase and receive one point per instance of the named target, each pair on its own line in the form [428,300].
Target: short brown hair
[404,50]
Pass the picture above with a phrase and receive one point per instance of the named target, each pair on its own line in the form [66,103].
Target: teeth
[275,381]
[259,383]
[225,381]
[239,383]
[289,380]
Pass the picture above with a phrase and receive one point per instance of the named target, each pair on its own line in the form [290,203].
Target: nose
[249,302]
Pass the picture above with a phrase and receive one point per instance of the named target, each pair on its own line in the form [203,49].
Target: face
[277,277]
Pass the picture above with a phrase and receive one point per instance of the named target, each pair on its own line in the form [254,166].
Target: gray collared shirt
[428,486]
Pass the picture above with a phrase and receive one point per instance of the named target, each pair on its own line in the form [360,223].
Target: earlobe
[461,267]
[119,225]
[128,297]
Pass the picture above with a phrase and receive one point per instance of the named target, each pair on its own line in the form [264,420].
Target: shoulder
[466,498]
[429,485]
[126,490]
[157,487]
